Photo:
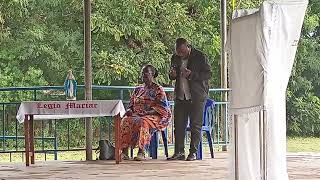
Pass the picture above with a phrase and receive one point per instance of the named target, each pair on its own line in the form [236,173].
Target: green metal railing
[54,136]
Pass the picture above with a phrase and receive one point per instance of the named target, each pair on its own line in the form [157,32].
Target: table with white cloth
[41,110]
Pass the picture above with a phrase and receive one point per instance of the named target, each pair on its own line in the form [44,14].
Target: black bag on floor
[107,150]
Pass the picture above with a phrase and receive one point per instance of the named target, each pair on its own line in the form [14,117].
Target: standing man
[191,70]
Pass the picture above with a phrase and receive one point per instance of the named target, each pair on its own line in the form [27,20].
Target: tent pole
[265,125]
[261,144]
[88,74]
[236,159]
[223,65]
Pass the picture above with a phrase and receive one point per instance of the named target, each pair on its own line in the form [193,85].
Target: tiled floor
[300,167]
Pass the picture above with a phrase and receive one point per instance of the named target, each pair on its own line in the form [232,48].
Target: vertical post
[35,95]
[42,136]
[226,124]
[56,140]
[26,139]
[88,74]
[31,136]
[55,149]
[218,123]
[224,75]
[16,139]
[117,138]
[68,136]
[265,125]
[3,128]
[236,159]
[101,129]
[109,128]
[165,141]
[121,94]
[263,143]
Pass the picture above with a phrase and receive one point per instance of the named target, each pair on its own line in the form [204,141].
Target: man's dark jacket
[199,77]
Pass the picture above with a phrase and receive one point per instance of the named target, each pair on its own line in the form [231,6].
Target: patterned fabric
[136,130]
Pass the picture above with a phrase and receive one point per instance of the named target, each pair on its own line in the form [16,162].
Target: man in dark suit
[191,71]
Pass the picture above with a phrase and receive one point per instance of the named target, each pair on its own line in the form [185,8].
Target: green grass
[300,144]
[297,144]
[71,155]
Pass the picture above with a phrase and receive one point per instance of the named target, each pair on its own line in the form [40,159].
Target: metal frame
[122,95]
[29,139]
[263,143]
[236,160]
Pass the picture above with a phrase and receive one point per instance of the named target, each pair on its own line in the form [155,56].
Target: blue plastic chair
[207,126]
[154,144]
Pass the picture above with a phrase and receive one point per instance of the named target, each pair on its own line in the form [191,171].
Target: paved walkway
[300,167]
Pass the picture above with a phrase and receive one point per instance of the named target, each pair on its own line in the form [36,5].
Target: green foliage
[48,35]
[40,40]
[303,103]
[134,33]
[303,114]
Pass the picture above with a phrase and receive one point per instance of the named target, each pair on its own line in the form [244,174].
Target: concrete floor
[300,167]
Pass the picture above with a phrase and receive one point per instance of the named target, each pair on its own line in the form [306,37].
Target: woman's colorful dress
[136,130]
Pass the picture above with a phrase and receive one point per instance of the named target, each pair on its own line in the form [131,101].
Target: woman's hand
[151,112]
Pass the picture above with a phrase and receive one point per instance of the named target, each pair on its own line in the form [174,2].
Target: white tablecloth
[70,109]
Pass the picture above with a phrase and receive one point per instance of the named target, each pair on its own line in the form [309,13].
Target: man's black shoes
[177,156]
[191,157]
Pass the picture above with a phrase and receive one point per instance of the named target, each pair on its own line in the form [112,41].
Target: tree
[303,103]
[128,34]
[42,39]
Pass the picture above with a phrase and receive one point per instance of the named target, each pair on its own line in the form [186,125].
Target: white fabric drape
[262,46]
[70,109]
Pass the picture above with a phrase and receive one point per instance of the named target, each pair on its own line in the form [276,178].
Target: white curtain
[262,46]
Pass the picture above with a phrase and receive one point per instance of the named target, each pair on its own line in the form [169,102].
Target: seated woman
[148,111]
